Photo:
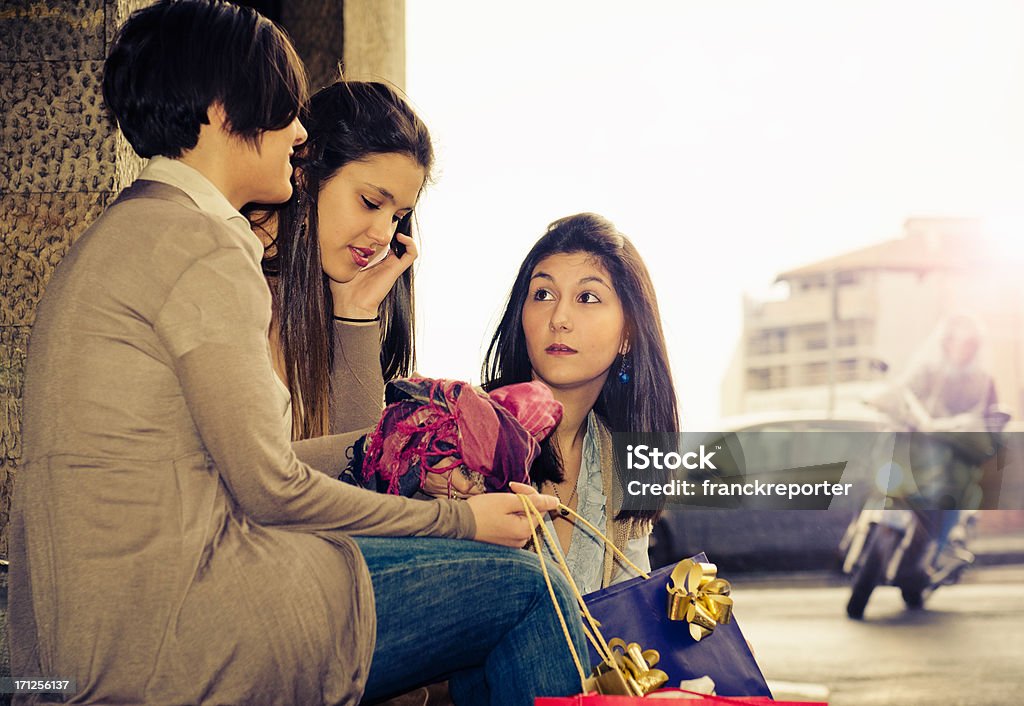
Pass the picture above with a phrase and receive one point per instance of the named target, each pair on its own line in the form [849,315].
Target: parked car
[741,533]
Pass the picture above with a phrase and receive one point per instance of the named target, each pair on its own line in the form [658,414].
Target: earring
[624,369]
[300,210]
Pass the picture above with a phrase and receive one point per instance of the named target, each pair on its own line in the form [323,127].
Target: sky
[729,140]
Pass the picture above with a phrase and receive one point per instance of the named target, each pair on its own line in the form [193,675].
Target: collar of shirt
[206,196]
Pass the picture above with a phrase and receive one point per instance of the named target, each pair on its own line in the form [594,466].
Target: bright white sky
[730,140]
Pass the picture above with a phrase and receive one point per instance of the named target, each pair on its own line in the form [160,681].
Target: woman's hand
[449,481]
[360,297]
[501,518]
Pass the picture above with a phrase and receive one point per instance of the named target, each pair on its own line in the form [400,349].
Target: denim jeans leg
[476,613]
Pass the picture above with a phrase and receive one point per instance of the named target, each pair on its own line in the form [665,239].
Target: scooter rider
[948,389]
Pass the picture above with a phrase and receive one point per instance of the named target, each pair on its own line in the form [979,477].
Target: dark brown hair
[647,403]
[172,60]
[347,121]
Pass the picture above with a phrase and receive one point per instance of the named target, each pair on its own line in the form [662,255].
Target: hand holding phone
[360,298]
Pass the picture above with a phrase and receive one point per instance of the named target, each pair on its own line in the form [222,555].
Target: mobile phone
[405,228]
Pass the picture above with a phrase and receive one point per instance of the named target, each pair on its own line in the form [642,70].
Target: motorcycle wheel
[913,598]
[871,570]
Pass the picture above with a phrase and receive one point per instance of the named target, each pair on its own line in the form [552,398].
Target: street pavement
[965,648]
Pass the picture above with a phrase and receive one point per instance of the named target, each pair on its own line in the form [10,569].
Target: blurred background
[786,168]
[814,186]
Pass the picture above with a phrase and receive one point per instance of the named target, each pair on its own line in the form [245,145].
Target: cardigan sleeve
[357,384]
[356,402]
[213,325]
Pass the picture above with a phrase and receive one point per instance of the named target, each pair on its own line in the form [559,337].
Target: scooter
[895,547]
[892,541]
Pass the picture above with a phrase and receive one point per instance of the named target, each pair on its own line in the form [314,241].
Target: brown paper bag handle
[593,633]
[607,542]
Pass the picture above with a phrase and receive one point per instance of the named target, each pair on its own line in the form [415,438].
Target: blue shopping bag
[637,611]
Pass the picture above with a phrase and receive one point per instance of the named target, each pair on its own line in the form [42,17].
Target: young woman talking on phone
[339,255]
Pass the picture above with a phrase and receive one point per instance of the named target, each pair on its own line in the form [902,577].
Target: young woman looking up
[582,317]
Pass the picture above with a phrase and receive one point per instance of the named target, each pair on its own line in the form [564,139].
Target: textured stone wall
[315,27]
[62,162]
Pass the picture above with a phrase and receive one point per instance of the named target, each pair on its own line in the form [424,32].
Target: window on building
[812,374]
[767,341]
[767,378]
[816,373]
[848,334]
[815,337]
[818,282]
[847,370]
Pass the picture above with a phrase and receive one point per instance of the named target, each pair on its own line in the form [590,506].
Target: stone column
[63,161]
[375,40]
[365,37]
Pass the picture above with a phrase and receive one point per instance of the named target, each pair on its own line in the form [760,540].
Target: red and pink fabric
[431,423]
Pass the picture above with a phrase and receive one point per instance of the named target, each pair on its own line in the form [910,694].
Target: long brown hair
[346,121]
[648,402]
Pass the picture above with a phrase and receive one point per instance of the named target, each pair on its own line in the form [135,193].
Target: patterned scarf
[434,426]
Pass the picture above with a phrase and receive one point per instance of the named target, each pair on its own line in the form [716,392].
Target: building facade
[849,323]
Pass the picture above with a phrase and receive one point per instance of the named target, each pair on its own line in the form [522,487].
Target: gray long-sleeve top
[168,545]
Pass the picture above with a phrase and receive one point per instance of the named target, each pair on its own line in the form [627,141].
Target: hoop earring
[624,370]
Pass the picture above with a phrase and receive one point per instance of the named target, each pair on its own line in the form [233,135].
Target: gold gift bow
[698,596]
[638,664]
[629,676]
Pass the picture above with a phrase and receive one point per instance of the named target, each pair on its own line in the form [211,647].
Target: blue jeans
[476,614]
